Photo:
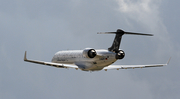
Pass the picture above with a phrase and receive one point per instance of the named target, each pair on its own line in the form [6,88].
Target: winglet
[169,60]
[25,56]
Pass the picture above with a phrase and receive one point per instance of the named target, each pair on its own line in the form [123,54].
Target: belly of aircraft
[93,66]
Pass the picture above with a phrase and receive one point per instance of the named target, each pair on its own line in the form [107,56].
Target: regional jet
[91,59]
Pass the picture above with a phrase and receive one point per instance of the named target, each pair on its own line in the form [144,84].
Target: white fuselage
[102,59]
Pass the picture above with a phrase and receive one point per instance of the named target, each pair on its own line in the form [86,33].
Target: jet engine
[120,54]
[89,53]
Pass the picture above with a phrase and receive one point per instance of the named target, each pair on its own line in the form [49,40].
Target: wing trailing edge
[117,67]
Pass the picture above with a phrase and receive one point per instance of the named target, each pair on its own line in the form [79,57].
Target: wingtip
[169,60]
[25,56]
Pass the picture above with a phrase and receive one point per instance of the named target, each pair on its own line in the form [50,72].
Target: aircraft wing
[117,67]
[50,63]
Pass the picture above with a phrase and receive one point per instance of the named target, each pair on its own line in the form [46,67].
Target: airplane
[91,59]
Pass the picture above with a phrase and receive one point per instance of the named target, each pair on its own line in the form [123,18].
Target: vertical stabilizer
[117,40]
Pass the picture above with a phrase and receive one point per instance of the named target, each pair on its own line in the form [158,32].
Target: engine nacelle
[89,53]
[120,54]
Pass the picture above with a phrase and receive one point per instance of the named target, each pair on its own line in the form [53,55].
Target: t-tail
[117,40]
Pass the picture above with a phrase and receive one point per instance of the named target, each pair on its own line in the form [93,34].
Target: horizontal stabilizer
[138,34]
[119,31]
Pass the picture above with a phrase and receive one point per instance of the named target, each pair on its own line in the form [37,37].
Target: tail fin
[117,40]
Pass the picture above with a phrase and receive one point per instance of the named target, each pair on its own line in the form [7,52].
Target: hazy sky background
[43,27]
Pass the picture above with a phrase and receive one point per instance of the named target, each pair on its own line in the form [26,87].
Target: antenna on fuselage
[117,40]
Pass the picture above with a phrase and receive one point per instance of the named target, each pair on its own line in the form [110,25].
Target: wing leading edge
[117,67]
[49,63]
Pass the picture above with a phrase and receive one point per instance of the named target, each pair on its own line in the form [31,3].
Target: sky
[43,27]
